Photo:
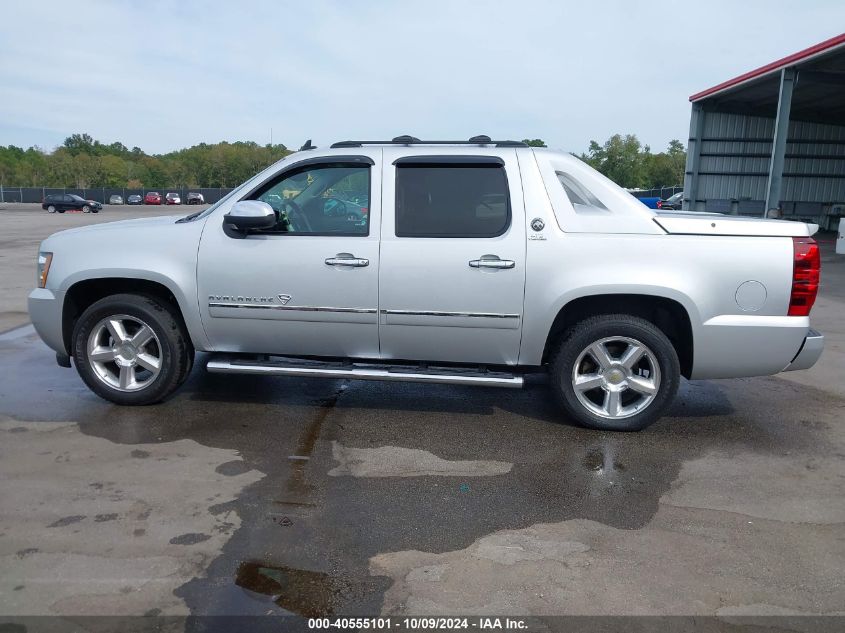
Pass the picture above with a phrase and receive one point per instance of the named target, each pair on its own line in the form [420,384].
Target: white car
[476,263]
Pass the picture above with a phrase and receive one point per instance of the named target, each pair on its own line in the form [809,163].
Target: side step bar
[364,371]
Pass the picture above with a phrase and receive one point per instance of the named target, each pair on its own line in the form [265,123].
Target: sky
[164,75]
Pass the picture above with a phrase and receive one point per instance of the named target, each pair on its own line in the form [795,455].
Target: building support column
[775,184]
[696,133]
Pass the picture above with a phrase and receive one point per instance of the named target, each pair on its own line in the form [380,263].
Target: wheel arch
[84,292]
[667,313]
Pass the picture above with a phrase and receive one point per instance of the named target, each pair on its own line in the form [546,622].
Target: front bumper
[45,312]
[809,353]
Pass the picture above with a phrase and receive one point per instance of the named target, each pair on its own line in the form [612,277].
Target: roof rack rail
[406,139]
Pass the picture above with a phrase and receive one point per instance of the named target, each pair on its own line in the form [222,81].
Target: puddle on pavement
[306,593]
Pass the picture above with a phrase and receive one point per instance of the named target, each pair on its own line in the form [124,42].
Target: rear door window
[451,199]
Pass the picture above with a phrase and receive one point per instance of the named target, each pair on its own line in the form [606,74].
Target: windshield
[201,214]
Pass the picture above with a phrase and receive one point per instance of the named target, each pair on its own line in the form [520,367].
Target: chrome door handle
[344,259]
[492,263]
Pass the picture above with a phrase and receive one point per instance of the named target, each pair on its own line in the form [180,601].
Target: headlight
[44,261]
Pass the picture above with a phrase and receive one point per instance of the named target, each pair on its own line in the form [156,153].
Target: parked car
[484,262]
[194,197]
[134,199]
[672,203]
[652,202]
[172,198]
[61,202]
[115,199]
[152,197]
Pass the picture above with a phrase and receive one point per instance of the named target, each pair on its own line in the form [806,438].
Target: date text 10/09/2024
[479,623]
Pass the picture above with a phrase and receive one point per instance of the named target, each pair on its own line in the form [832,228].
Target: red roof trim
[789,60]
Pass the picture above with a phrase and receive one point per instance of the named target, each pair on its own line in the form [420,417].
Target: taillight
[364,210]
[660,204]
[806,266]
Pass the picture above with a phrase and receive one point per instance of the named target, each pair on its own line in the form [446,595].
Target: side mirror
[249,215]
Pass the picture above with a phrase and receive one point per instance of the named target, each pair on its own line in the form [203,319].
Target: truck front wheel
[131,349]
[615,372]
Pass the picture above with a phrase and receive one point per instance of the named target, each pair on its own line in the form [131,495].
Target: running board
[364,371]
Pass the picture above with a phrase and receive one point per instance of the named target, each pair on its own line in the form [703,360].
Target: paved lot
[23,226]
[255,495]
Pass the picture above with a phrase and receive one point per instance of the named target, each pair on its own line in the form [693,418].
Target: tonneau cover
[719,224]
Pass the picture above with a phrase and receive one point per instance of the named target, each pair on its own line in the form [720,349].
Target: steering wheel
[339,208]
[296,218]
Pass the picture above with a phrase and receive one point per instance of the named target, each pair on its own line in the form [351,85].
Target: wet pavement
[308,500]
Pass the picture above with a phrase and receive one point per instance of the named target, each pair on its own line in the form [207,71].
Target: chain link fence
[661,192]
[104,194]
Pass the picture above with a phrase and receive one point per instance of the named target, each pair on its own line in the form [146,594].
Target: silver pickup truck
[472,263]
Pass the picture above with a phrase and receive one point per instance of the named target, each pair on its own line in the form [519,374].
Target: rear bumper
[809,353]
[734,346]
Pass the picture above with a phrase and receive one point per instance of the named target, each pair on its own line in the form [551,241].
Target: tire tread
[559,365]
[168,320]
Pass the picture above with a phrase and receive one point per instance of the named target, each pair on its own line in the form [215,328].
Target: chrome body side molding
[270,306]
[485,315]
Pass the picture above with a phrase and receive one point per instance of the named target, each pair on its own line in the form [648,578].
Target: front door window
[325,199]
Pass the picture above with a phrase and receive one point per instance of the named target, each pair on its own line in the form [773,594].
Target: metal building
[773,139]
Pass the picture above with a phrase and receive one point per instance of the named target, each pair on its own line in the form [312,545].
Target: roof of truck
[408,140]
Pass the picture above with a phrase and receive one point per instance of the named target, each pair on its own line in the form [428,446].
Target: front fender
[182,287]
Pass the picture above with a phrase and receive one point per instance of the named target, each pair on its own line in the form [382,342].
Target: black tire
[86,208]
[51,209]
[594,329]
[60,210]
[176,351]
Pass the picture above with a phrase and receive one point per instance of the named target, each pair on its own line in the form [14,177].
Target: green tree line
[83,162]
[630,164]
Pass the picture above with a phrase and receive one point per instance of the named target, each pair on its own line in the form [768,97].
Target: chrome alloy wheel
[124,353]
[616,377]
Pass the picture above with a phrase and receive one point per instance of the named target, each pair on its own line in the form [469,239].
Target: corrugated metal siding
[736,151]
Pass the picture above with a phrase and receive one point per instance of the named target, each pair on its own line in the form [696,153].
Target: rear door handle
[492,263]
[346,259]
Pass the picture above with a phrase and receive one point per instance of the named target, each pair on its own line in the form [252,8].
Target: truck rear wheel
[615,372]
[131,349]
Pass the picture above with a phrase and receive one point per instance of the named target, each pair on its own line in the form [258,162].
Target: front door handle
[491,262]
[347,259]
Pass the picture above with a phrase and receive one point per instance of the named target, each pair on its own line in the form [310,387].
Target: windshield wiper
[189,218]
